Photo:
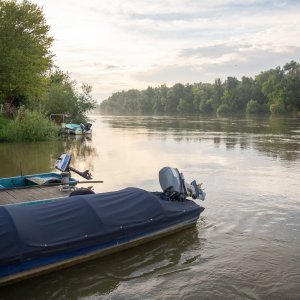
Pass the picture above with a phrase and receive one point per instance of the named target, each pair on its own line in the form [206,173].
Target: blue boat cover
[30,231]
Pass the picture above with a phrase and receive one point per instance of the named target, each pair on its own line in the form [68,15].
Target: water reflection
[272,136]
[103,277]
[31,158]
[81,148]
[247,242]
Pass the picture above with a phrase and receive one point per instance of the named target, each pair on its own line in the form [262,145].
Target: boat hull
[50,235]
[90,255]
[32,180]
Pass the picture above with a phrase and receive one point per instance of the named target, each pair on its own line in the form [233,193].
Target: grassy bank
[3,124]
[3,121]
[28,126]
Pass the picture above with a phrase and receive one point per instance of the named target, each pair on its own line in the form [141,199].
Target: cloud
[111,67]
[213,51]
[170,74]
[124,44]
[249,62]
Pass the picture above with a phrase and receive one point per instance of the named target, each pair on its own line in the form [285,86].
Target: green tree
[230,96]
[145,101]
[60,95]
[25,54]
[160,99]
[257,92]
[186,102]
[272,89]
[204,95]
[63,97]
[83,104]
[224,109]
[173,96]
[291,86]
[253,107]
[218,92]
[245,92]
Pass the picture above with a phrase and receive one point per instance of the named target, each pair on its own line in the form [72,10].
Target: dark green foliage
[25,53]
[278,108]
[3,121]
[224,109]
[253,107]
[274,91]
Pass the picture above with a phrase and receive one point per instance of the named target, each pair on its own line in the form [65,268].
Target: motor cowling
[173,184]
[87,126]
[63,162]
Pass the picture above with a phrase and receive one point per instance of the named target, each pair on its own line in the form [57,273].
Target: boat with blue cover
[43,236]
[77,129]
[71,128]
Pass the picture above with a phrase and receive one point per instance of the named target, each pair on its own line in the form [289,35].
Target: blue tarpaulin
[41,229]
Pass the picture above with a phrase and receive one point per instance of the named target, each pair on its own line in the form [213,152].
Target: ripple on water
[246,243]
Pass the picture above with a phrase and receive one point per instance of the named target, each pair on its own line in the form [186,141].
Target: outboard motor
[173,184]
[63,164]
[87,126]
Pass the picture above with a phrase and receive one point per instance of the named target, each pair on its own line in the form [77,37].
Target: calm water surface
[246,245]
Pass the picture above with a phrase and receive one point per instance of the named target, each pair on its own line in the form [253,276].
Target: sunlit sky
[122,44]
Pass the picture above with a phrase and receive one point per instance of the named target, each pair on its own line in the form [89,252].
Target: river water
[246,244]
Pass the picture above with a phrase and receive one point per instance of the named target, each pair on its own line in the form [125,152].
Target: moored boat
[77,129]
[43,185]
[31,180]
[51,235]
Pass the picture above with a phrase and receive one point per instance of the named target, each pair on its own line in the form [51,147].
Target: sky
[119,45]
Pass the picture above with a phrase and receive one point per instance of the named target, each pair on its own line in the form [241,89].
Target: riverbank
[27,126]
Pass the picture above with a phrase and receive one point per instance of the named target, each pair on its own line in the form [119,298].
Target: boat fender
[81,191]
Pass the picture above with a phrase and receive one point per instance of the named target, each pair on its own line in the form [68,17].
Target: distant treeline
[274,91]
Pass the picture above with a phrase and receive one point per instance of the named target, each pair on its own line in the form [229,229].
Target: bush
[9,110]
[206,106]
[224,109]
[3,120]
[277,108]
[253,107]
[3,123]
[29,126]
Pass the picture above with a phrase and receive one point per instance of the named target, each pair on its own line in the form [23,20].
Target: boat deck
[11,196]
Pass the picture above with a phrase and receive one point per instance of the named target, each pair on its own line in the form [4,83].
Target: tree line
[28,77]
[273,91]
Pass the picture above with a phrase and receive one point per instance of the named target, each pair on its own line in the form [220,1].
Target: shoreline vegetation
[29,126]
[31,86]
[275,91]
